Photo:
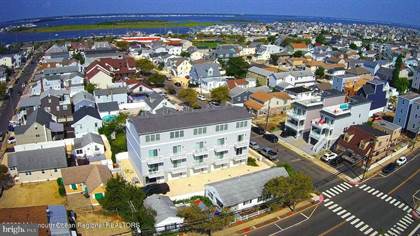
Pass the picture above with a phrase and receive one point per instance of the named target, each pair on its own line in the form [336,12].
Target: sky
[389,11]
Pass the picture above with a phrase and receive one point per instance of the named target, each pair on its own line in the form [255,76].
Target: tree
[123,45]
[79,57]
[3,88]
[237,66]
[220,94]
[353,46]
[185,54]
[90,87]
[320,72]
[274,59]
[288,191]
[127,200]
[320,39]
[204,221]
[157,80]
[298,54]
[271,39]
[145,66]
[6,180]
[189,96]
[401,84]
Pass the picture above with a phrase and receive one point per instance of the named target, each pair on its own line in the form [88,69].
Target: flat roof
[154,123]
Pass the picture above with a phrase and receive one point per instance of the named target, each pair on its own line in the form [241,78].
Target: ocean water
[10,37]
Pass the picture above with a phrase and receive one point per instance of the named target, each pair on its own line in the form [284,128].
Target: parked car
[389,168]
[329,156]
[258,130]
[201,98]
[401,161]
[271,138]
[336,161]
[156,189]
[269,153]
[254,145]
[11,140]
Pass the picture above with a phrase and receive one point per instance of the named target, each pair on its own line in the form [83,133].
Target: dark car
[271,138]
[336,161]
[258,130]
[389,168]
[269,153]
[156,189]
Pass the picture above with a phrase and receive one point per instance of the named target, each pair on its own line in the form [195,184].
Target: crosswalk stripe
[350,218]
[400,229]
[380,194]
[328,203]
[405,221]
[355,221]
[374,193]
[409,220]
[347,184]
[374,233]
[401,205]
[402,225]
[326,200]
[324,193]
[409,210]
[397,203]
[368,231]
[341,187]
[341,212]
[345,215]
[393,200]
[330,192]
[332,206]
[389,198]
[337,209]
[395,230]
[363,186]
[359,224]
[371,190]
[367,188]
[336,189]
[384,196]
[364,227]
[406,208]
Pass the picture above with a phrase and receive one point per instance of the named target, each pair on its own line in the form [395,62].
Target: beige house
[100,78]
[261,103]
[40,127]
[181,67]
[88,179]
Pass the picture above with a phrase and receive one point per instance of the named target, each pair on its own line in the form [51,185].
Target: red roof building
[117,68]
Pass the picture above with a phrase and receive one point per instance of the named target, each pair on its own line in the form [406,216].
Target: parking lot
[321,178]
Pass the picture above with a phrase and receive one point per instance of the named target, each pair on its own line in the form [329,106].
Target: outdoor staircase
[319,145]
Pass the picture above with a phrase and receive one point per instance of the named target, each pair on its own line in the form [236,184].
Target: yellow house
[183,81]
[87,179]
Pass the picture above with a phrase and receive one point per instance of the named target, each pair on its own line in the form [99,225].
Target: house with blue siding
[375,92]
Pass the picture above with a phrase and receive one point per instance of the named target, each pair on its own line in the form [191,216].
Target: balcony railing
[295,115]
[201,152]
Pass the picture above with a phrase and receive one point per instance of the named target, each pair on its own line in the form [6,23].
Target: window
[220,155]
[210,195]
[177,134]
[239,151]
[201,130]
[152,137]
[247,202]
[96,125]
[153,153]
[241,137]
[43,171]
[241,124]
[221,141]
[199,145]
[79,151]
[37,135]
[28,173]
[221,127]
[55,170]
[74,186]
[176,149]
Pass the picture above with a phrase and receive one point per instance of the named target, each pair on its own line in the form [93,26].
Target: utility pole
[268,115]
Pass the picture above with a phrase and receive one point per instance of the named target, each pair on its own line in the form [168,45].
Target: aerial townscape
[240,127]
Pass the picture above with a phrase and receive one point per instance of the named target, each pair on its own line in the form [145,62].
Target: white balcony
[241,157]
[296,116]
[321,125]
[155,173]
[241,144]
[177,157]
[221,148]
[201,152]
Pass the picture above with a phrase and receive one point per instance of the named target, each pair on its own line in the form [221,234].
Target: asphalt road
[381,204]
[321,178]
[8,108]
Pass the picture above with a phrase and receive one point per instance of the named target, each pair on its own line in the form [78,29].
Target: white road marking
[374,233]
[393,200]
[389,198]
[397,203]
[401,205]
[368,231]
[336,190]
[374,193]
[355,221]
[333,206]
[364,227]
[380,194]
[330,192]
[384,196]
[348,185]
[359,224]
[345,215]
[350,218]
[395,230]
[337,209]
[326,194]
[406,208]
[328,203]
[402,226]
[367,188]
[400,229]
[371,190]
[341,212]
[363,186]
[341,187]
[406,221]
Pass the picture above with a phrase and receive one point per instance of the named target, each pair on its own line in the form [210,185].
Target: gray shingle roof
[85,111]
[260,71]
[32,101]
[108,106]
[201,70]
[39,159]
[117,90]
[162,205]
[246,187]
[61,70]
[181,120]
[82,95]
[41,117]
[87,139]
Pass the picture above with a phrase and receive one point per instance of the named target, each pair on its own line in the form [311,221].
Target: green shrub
[251,162]
[290,170]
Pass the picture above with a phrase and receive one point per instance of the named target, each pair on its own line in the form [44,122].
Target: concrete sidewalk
[242,228]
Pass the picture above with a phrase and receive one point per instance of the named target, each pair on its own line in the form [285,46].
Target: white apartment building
[180,144]
[334,119]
